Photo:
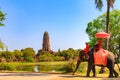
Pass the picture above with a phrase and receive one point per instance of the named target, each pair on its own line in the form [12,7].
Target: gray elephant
[91,66]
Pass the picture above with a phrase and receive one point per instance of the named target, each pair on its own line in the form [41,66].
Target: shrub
[58,58]
[29,59]
[46,57]
[68,67]
[25,68]
[9,67]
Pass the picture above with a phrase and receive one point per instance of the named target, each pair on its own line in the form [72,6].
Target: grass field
[49,67]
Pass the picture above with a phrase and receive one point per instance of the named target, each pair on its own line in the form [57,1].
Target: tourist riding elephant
[89,57]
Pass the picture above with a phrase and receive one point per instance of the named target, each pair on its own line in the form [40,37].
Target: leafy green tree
[8,55]
[46,57]
[40,52]
[18,55]
[77,52]
[99,24]
[28,54]
[64,54]
[2,45]
[72,53]
[58,58]
[2,18]
[67,54]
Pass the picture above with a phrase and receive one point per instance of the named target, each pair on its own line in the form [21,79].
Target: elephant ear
[83,55]
[86,57]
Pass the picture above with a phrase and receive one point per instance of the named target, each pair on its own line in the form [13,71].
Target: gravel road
[45,76]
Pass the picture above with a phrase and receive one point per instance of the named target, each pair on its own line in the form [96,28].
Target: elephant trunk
[77,65]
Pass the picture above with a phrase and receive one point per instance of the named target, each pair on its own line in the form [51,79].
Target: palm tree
[99,5]
[109,4]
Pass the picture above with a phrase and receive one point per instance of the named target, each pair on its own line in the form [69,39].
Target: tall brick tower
[46,42]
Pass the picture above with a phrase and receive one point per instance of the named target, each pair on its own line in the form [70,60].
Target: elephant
[91,66]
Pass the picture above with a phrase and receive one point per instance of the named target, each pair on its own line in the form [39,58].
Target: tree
[2,18]
[99,24]
[28,54]
[99,5]
[46,56]
[67,54]
[18,55]
[8,55]
[72,53]
[2,45]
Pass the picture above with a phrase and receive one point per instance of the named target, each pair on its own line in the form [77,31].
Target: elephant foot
[116,75]
[73,74]
[94,75]
[102,71]
[87,75]
[111,76]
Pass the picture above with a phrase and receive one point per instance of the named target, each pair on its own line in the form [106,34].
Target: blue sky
[65,21]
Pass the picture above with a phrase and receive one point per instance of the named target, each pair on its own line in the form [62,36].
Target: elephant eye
[84,56]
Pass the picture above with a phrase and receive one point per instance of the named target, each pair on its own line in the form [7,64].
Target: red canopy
[102,35]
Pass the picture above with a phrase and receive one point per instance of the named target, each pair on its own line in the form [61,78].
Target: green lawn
[60,66]
[37,63]
[29,66]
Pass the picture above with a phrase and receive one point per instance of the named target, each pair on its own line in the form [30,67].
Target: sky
[64,20]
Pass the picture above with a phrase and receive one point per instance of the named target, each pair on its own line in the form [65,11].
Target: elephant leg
[94,71]
[115,73]
[110,66]
[111,73]
[102,70]
[89,69]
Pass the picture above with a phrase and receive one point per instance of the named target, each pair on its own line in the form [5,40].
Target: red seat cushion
[100,57]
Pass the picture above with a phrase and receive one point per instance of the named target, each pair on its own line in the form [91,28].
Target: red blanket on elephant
[100,57]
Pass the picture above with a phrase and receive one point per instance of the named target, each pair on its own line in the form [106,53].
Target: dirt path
[44,76]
